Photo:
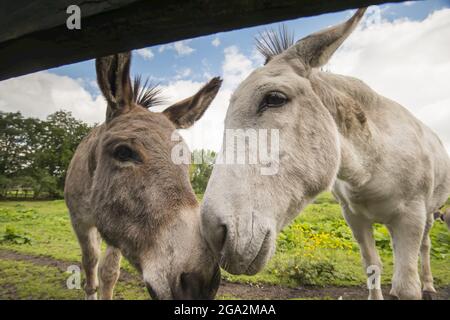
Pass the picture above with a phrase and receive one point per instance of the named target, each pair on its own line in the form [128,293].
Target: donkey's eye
[125,153]
[274,99]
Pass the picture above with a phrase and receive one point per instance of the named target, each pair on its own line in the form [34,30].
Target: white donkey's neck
[348,101]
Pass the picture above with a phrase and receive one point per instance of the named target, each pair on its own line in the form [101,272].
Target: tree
[48,184]
[39,150]
[18,140]
[61,134]
[200,172]
[23,184]
[4,185]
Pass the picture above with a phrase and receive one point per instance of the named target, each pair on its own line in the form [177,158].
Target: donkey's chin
[158,289]
[155,294]
[250,264]
[186,286]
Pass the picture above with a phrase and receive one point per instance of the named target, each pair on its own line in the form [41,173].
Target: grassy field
[316,249]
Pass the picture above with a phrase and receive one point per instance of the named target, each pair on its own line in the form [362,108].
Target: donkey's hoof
[392,297]
[91,294]
[428,295]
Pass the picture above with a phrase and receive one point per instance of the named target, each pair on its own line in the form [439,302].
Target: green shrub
[440,241]
[11,235]
[303,270]
[382,237]
[325,197]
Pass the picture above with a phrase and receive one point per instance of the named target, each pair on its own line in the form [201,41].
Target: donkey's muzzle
[198,286]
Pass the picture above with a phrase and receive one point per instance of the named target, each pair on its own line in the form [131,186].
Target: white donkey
[383,164]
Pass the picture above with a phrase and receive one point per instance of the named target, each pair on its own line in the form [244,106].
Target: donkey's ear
[316,49]
[113,76]
[183,114]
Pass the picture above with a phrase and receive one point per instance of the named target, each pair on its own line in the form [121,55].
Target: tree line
[35,154]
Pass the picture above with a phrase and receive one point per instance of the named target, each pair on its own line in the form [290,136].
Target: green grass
[46,225]
[24,280]
[316,249]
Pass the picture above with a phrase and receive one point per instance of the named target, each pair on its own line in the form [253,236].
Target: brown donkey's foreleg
[109,272]
[90,241]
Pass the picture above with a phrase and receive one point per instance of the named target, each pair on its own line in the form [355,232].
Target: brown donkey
[122,186]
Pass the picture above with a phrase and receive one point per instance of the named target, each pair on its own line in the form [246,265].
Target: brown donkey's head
[143,201]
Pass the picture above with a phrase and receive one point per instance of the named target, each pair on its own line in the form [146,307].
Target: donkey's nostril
[151,291]
[222,236]
[214,230]
[217,237]
[195,285]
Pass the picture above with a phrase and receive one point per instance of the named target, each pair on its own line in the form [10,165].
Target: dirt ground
[244,291]
[227,289]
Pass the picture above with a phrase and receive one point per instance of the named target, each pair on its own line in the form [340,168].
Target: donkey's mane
[145,93]
[272,42]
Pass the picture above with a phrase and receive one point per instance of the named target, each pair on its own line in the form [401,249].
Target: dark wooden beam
[34,36]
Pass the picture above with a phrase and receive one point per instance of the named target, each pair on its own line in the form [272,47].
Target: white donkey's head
[243,209]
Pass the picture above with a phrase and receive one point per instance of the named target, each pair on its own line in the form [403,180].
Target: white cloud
[257,58]
[206,69]
[180,47]
[236,67]
[216,42]
[183,73]
[145,53]
[42,93]
[406,61]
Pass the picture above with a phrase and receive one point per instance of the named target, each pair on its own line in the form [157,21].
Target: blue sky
[164,66]
[401,50]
